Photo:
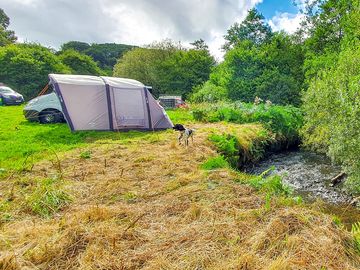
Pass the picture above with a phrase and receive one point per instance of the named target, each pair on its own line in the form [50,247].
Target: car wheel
[49,117]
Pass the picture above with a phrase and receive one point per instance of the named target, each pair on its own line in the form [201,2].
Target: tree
[329,26]
[75,45]
[208,92]
[105,55]
[80,63]
[200,44]
[253,28]
[141,64]
[271,71]
[332,109]
[6,36]
[166,66]
[25,67]
[185,69]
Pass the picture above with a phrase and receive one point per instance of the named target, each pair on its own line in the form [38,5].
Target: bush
[208,92]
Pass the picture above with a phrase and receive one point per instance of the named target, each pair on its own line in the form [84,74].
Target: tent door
[129,108]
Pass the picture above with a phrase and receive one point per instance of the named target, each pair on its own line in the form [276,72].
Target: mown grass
[23,142]
[146,203]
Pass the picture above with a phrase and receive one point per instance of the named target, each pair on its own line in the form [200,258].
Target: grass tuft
[47,198]
[85,154]
[215,163]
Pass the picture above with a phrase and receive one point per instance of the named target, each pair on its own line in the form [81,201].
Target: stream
[309,174]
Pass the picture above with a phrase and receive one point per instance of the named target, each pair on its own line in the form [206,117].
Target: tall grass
[283,121]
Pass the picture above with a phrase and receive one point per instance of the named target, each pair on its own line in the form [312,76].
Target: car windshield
[6,90]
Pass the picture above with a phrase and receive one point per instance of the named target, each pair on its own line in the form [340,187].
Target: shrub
[25,67]
[208,92]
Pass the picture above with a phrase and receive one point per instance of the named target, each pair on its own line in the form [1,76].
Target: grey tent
[108,103]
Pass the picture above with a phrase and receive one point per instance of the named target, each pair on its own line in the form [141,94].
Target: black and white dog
[184,132]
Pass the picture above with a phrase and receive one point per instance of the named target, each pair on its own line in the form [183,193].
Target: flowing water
[309,174]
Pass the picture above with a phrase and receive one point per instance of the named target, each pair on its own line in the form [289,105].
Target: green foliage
[284,121]
[105,55]
[253,28]
[228,146]
[167,67]
[271,185]
[75,45]
[329,26]
[85,154]
[332,109]
[25,67]
[79,63]
[48,198]
[208,92]
[355,230]
[215,163]
[6,36]
[141,64]
[183,70]
[272,71]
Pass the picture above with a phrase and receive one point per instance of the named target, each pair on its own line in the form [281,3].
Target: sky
[140,22]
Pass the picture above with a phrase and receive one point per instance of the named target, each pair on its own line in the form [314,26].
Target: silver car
[45,109]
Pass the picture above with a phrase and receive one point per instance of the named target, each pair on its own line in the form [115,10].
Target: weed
[48,198]
[228,146]
[267,202]
[130,197]
[337,221]
[85,154]
[215,163]
[271,185]
[355,230]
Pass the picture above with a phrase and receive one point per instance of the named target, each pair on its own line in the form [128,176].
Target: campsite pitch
[140,201]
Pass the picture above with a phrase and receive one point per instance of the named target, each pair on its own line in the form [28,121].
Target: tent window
[129,107]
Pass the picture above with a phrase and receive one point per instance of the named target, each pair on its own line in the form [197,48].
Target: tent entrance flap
[129,108]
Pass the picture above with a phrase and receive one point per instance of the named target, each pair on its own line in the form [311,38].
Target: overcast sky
[139,22]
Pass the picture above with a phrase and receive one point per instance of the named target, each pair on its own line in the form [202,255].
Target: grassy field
[22,142]
[138,200]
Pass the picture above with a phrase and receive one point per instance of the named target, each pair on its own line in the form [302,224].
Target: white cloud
[286,21]
[135,22]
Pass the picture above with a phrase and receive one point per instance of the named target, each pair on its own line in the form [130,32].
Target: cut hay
[152,207]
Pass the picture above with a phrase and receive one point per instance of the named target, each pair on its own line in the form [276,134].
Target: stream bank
[309,175]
